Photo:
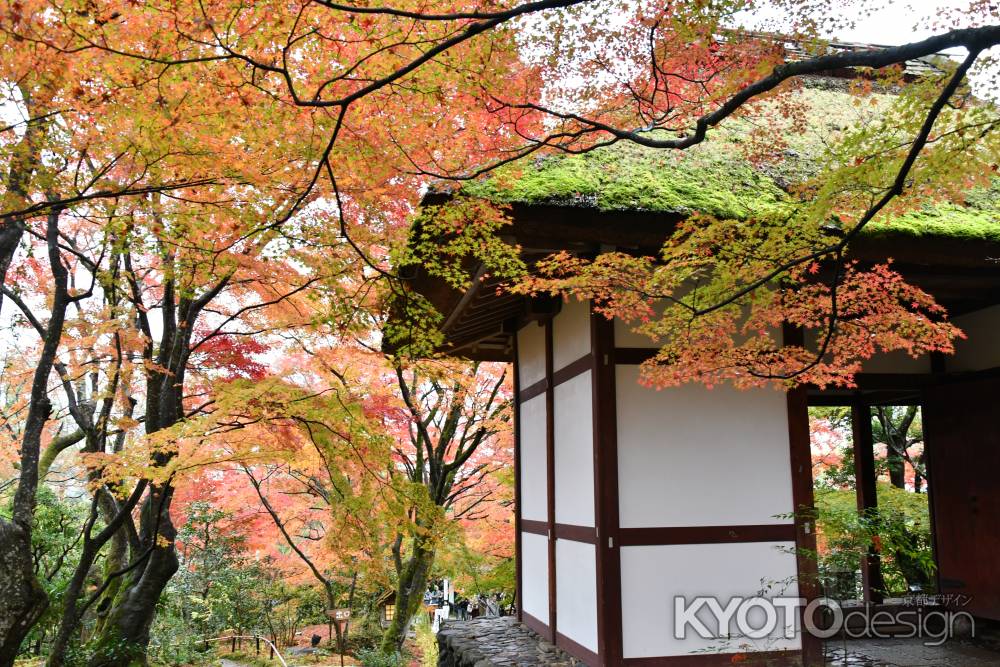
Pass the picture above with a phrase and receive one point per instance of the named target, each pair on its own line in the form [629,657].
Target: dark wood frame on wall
[607,535]
[800,457]
[552,530]
[549,528]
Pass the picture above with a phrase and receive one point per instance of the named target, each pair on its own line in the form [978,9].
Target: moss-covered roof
[716,178]
[627,177]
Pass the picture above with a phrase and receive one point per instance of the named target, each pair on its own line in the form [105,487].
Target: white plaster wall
[981,350]
[531,354]
[574,451]
[535,575]
[576,592]
[532,463]
[653,575]
[570,332]
[691,456]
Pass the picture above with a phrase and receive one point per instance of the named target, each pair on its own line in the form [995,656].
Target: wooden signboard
[339,614]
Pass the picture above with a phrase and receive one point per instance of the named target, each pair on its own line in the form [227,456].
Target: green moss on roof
[968,223]
[627,177]
[715,178]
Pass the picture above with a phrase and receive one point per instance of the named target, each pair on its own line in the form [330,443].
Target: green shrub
[375,658]
[899,530]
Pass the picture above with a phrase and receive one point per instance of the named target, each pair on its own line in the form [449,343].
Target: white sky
[899,22]
[893,22]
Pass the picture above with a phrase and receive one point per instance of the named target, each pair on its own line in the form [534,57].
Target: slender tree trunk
[22,599]
[24,161]
[409,594]
[918,479]
[70,616]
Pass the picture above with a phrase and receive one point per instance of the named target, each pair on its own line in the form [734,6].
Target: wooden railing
[257,639]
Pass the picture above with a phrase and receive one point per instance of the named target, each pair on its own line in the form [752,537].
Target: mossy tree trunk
[123,633]
[116,559]
[123,638]
[410,587]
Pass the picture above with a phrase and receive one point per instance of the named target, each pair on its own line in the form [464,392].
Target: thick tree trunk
[124,636]
[116,559]
[22,600]
[409,595]
[897,470]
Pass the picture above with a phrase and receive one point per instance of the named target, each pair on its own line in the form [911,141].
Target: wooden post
[607,552]
[233,650]
[864,470]
[257,641]
[800,458]
[550,475]
[271,648]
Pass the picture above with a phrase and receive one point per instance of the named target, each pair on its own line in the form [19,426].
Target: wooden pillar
[609,595]
[805,516]
[864,471]
[800,457]
[550,474]
[518,589]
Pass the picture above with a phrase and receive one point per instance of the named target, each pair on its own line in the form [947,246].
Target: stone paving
[503,642]
[908,653]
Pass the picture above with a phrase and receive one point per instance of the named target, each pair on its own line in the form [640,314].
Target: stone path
[502,642]
[909,653]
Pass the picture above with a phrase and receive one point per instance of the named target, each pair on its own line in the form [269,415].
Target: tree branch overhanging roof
[628,196]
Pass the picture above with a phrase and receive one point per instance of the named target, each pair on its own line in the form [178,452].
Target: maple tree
[209,168]
[398,459]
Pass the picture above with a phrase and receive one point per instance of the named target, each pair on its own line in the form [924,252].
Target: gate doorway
[927,519]
[870,482]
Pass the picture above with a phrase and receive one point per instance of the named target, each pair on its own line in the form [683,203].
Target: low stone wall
[503,642]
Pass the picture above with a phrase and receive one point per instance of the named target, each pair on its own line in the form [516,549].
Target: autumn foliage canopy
[206,232]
